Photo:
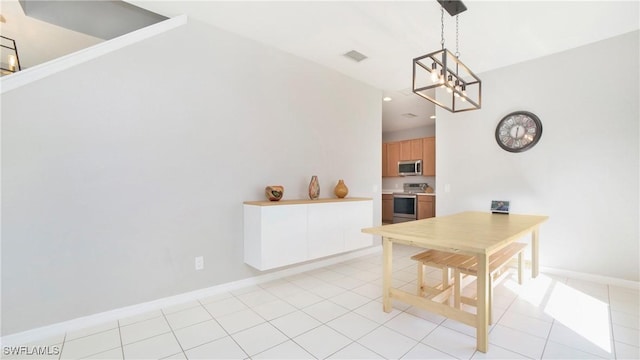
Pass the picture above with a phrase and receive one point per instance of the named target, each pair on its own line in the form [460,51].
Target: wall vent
[355,56]
[409,115]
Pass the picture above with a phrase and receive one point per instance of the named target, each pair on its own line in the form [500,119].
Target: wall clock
[518,131]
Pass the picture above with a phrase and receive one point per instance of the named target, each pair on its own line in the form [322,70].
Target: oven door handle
[405,196]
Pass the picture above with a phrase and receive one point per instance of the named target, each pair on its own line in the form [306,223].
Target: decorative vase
[314,188]
[274,192]
[341,189]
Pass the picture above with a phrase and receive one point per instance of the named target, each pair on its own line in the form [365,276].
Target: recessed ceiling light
[386,98]
[432,117]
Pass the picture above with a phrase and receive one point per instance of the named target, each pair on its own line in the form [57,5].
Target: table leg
[483,303]
[387,261]
[535,270]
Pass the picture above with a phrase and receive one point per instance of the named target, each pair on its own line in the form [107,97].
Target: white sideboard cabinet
[287,232]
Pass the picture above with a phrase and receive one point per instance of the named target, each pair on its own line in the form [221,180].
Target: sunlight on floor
[583,314]
[533,291]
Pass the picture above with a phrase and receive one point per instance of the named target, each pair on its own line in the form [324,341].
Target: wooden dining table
[478,234]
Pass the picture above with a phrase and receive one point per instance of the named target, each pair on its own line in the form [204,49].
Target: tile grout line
[120,336]
[613,337]
[223,329]
[64,340]
[174,334]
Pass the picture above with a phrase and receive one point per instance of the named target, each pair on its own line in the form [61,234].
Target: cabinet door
[325,234]
[411,149]
[429,156]
[405,150]
[426,208]
[357,215]
[283,235]
[416,149]
[385,168]
[393,156]
[387,208]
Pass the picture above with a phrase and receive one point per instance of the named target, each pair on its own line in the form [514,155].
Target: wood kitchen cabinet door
[393,156]
[429,156]
[387,208]
[426,206]
[411,149]
[385,168]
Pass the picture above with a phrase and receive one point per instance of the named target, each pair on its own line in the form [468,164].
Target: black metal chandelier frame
[447,72]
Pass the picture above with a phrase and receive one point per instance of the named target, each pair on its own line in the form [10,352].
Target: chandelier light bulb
[441,77]
[434,72]
[450,81]
[12,62]
[463,89]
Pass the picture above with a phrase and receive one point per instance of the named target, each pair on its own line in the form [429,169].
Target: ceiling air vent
[409,115]
[355,56]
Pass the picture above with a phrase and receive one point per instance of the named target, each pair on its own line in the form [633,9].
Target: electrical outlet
[447,188]
[199,262]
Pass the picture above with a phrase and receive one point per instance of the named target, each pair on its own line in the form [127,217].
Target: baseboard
[605,280]
[45,332]
[599,279]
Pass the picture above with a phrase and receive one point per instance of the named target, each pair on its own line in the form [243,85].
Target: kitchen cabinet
[387,208]
[416,149]
[385,170]
[287,232]
[411,149]
[393,156]
[426,206]
[428,156]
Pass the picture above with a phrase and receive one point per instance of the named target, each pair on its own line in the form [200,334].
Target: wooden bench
[467,265]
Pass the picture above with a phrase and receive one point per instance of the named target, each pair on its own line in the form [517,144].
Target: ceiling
[493,34]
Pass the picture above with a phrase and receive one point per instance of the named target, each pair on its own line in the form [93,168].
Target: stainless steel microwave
[410,167]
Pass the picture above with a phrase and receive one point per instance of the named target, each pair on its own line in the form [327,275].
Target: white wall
[118,172]
[584,171]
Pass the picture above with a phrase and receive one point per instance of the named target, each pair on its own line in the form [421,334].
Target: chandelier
[441,77]
[8,47]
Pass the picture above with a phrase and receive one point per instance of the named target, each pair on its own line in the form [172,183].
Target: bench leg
[490,310]
[445,277]
[456,288]
[520,267]
[420,289]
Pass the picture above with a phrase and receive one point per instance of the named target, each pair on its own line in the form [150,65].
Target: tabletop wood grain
[467,232]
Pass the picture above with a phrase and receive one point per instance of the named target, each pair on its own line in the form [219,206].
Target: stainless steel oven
[404,207]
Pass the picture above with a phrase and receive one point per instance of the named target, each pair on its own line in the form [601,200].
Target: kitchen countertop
[390,192]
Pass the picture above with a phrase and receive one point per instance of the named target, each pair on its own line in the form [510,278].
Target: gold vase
[341,189]
[314,188]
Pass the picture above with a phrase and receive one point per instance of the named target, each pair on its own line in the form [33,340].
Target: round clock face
[518,131]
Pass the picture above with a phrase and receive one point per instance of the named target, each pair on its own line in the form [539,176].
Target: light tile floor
[336,313]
